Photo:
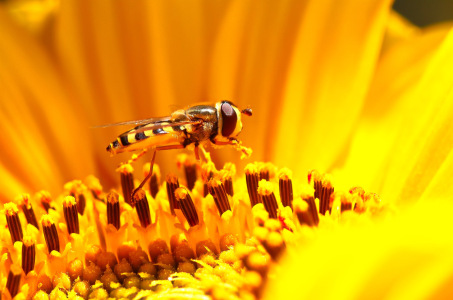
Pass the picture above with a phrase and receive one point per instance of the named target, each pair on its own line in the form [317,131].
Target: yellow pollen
[46,220]
[285,174]
[181,193]
[69,201]
[125,169]
[11,209]
[265,187]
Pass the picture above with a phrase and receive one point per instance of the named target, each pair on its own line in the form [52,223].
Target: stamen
[345,200]
[45,200]
[113,210]
[13,221]
[358,191]
[187,206]
[127,182]
[285,185]
[24,202]
[252,177]
[154,182]
[13,281]
[94,185]
[208,171]
[227,181]
[264,171]
[323,190]
[267,195]
[218,192]
[76,189]
[28,254]
[229,171]
[312,209]
[71,214]
[190,169]
[142,207]
[50,233]
[172,185]
[303,212]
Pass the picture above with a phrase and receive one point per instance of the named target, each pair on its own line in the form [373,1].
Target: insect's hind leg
[150,173]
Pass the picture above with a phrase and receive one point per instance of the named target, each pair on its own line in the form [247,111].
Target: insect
[195,126]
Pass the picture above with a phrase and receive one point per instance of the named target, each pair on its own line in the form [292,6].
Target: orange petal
[41,128]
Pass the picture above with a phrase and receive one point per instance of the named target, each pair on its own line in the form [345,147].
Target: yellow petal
[331,69]
[404,136]
[407,257]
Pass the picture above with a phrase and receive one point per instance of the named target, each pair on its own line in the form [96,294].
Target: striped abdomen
[140,138]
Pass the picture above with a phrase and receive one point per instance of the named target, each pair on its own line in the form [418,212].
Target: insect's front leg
[206,154]
[246,152]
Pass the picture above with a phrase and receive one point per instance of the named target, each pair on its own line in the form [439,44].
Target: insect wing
[162,124]
[136,122]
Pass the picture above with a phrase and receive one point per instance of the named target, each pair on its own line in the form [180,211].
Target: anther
[227,181]
[267,195]
[127,182]
[323,190]
[208,171]
[312,209]
[28,254]
[76,189]
[264,171]
[190,169]
[252,177]
[113,210]
[13,281]
[345,200]
[94,185]
[219,194]
[13,221]
[229,171]
[45,200]
[24,201]
[303,212]
[285,185]
[142,207]
[50,233]
[357,191]
[172,185]
[187,206]
[71,214]
[154,182]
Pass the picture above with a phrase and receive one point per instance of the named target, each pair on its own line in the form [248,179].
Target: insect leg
[246,152]
[206,154]
[150,173]
[197,154]
[137,156]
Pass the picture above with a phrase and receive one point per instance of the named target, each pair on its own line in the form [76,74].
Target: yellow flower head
[348,88]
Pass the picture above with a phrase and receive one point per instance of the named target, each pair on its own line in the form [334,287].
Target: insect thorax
[207,129]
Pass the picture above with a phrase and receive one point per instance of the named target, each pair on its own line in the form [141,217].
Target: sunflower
[347,88]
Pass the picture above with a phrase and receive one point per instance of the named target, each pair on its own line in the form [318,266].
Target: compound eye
[229,119]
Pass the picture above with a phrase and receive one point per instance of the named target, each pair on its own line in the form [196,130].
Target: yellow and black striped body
[132,140]
[199,125]
[219,123]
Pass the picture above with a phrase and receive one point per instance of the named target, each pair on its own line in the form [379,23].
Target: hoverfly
[217,124]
